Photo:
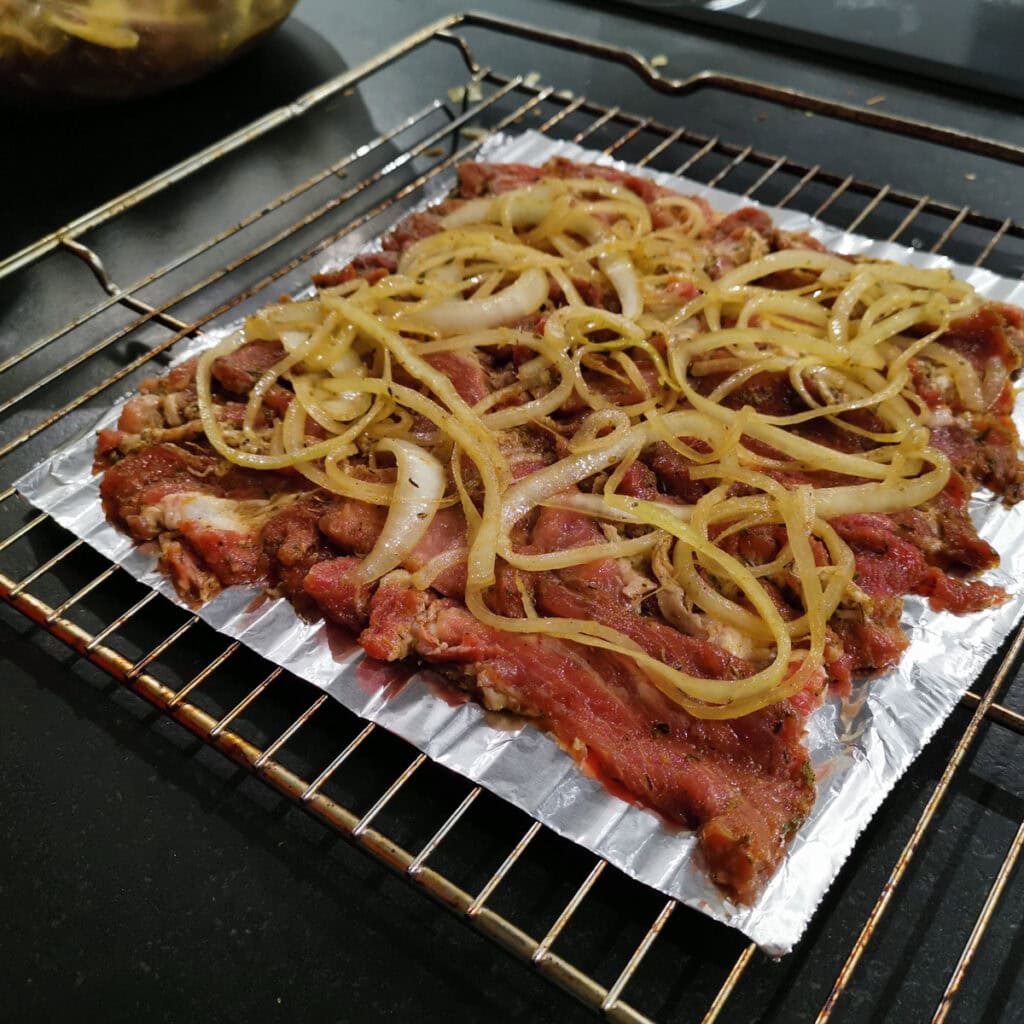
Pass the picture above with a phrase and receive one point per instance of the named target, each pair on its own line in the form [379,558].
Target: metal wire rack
[412,815]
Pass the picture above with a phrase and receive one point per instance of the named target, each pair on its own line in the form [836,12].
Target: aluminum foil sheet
[859,745]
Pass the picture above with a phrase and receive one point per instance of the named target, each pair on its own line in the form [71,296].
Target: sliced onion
[965,376]
[521,208]
[524,208]
[563,475]
[994,382]
[424,577]
[582,555]
[472,211]
[786,259]
[518,300]
[419,489]
[619,269]
[887,497]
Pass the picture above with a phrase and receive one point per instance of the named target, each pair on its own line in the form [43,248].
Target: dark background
[974,43]
[142,876]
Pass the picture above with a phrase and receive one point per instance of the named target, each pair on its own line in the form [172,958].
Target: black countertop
[141,875]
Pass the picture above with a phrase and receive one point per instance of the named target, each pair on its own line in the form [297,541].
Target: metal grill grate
[359,781]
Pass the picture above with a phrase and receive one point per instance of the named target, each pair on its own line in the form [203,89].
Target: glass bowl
[115,49]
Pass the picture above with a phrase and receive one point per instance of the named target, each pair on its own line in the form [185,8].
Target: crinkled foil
[859,745]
